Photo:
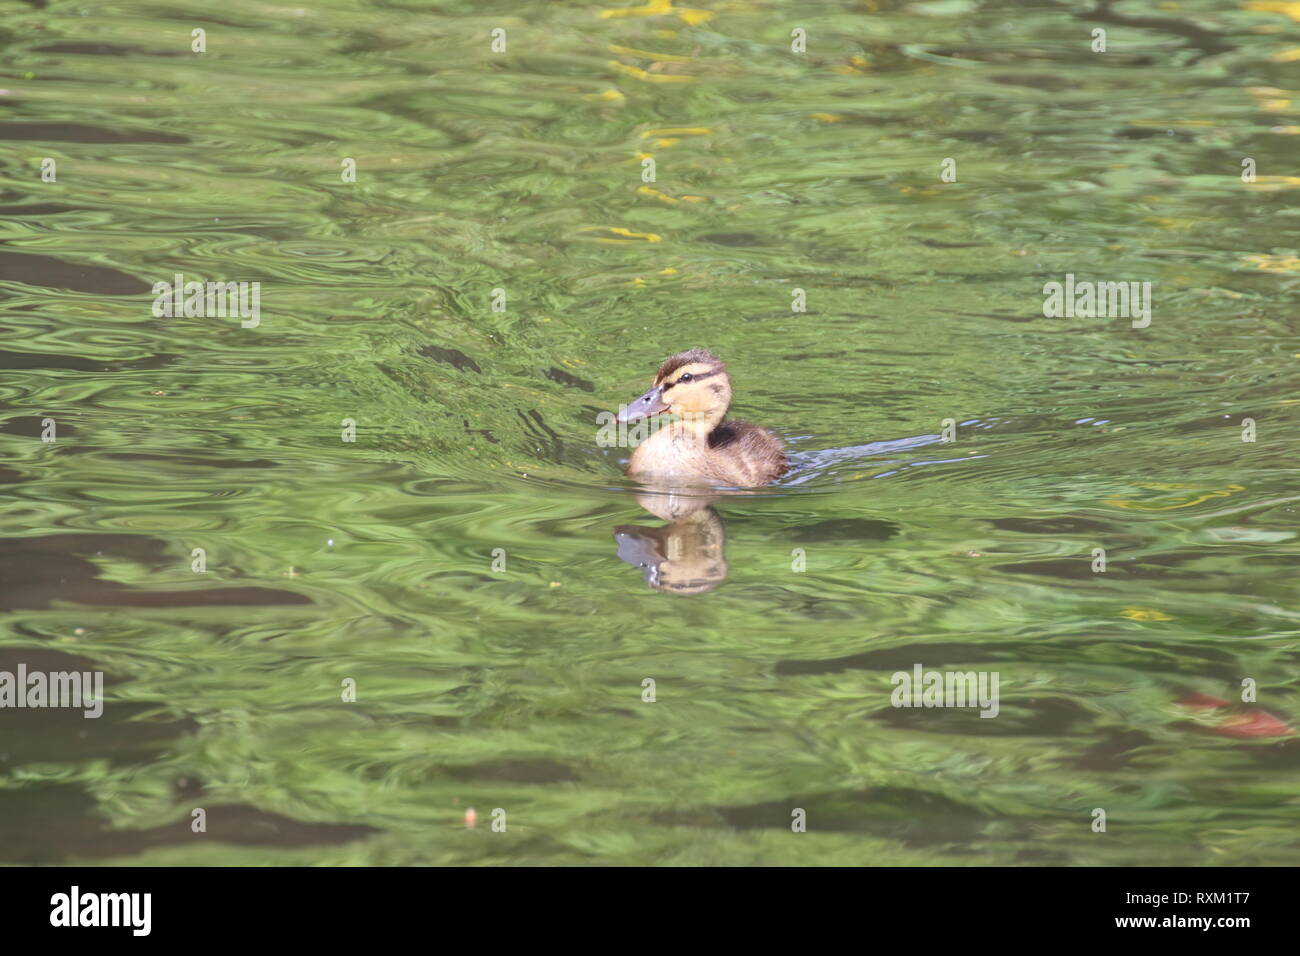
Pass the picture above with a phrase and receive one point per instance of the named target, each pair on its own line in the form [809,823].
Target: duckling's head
[692,385]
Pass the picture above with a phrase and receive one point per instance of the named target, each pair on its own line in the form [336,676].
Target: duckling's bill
[651,403]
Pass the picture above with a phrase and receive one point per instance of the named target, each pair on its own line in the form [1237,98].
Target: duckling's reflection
[684,556]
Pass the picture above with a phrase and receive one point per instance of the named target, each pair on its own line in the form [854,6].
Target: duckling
[695,387]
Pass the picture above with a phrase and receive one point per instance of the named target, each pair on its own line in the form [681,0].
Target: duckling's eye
[685,378]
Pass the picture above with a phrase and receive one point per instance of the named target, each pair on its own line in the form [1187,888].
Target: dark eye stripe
[695,377]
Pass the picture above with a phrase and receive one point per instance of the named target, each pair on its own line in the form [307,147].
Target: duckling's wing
[752,448]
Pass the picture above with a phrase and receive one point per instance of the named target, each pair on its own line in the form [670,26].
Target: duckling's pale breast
[670,453]
[736,453]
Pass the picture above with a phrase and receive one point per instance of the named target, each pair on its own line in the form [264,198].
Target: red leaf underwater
[1254,723]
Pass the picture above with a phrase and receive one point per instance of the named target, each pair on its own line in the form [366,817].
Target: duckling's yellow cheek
[688,403]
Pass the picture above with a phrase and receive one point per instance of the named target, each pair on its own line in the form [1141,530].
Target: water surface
[458,560]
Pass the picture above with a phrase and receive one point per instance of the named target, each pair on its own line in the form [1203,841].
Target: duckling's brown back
[744,454]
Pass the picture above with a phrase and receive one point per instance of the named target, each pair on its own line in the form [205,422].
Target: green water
[520,687]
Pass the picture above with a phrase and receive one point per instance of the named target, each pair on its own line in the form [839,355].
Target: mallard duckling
[696,388]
